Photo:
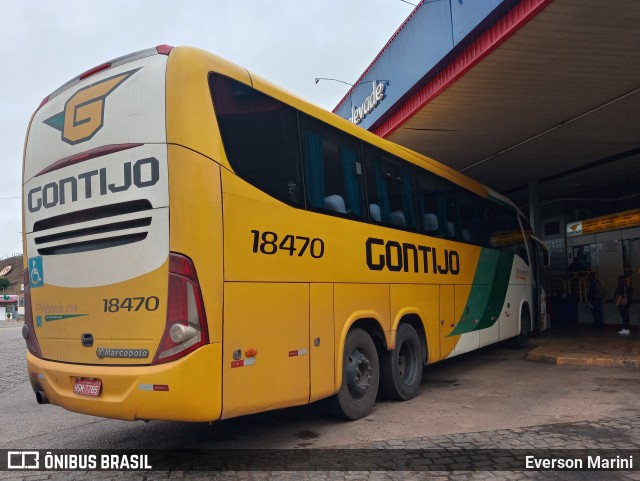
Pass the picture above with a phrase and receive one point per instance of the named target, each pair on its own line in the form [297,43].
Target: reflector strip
[243,362]
[153,387]
[299,352]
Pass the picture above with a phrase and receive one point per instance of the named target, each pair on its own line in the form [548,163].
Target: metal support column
[534,207]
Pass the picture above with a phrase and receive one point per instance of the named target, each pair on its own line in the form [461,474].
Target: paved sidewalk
[586,346]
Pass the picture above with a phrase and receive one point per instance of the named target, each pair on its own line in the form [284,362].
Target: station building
[11,296]
[538,99]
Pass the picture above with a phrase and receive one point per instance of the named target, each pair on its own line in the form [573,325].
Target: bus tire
[360,377]
[522,340]
[401,368]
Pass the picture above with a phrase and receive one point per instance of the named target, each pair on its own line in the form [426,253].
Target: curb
[583,361]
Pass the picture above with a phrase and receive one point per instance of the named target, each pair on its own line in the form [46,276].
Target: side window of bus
[260,137]
[505,233]
[390,190]
[436,201]
[333,169]
[472,218]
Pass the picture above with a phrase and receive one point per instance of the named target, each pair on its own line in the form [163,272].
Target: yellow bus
[201,245]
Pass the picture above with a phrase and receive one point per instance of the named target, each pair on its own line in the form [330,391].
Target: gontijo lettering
[396,257]
[143,173]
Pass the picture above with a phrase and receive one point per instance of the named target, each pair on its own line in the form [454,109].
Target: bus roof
[201,62]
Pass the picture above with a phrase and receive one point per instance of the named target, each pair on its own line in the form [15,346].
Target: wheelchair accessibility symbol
[36,272]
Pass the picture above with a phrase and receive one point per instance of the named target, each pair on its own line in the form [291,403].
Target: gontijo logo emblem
[83,113]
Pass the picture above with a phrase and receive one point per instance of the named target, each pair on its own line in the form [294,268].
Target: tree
[4,283]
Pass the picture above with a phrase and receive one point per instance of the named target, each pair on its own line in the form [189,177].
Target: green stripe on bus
[61,317]
[490,284]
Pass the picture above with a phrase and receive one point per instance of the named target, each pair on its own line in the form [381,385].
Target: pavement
[7,323]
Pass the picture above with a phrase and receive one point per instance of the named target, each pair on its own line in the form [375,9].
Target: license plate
[87,387]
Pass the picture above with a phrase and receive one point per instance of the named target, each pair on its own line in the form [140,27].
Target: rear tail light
[28,331]
[186,325]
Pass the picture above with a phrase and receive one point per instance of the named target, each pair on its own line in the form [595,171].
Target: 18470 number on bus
[270,243]
[131,304]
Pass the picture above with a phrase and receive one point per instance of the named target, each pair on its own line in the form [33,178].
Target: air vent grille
[94,229]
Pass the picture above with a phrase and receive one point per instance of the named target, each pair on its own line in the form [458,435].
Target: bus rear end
[115,320]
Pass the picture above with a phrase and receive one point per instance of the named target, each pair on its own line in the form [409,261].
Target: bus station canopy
[548,91]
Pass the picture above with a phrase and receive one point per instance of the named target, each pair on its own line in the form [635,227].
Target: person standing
[596,296]
[621,296]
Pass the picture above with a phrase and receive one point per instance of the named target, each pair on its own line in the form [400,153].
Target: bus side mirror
[546,258]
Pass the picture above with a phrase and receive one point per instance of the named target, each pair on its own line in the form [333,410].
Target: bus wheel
[522,340]
[401,368]
[360,377]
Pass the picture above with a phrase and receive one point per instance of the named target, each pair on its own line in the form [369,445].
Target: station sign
[370,103]
[622,220]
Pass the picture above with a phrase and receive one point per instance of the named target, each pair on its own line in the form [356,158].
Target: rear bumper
[194,387]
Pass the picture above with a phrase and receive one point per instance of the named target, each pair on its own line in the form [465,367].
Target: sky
[289,42]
